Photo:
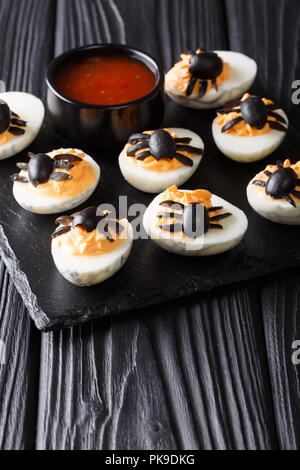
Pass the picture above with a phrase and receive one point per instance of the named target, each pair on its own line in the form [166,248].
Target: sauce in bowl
[107,80]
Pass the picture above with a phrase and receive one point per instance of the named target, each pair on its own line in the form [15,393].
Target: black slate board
[151,275]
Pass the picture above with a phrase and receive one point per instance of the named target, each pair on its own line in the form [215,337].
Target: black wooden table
[213,371]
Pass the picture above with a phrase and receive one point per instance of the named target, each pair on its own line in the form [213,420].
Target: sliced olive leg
[202,88]
[69,157]
[143,155]
[259,182]
[183,159]
[214,84]
[61,230]
[267,173]
[115,226]
[172,204]
[18,178]
[271,106]
[277,126]
[135,138]
[231,123]
[216,208]
[296,193]
[18,122]
[228,110]
[63,165]
[218,226]
[289,199]
[190,149]
[16,130]
[22,165]
[221,216]
[173,215]
[132,150]
[232,104]
[64,220]
[277,116]
[60,176]
[182,140]
[191,86]
[171,227]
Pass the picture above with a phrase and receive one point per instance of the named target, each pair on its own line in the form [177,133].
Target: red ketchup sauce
[107,80]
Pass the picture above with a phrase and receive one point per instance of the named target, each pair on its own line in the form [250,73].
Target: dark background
[212,371]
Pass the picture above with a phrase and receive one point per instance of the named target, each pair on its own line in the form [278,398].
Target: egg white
[248,149]
[275,210]
[213,242]
[242,74]
[155,181]
[89,270]
[52,205]
[30,109]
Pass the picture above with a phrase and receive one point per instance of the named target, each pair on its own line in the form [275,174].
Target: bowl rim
[159,74]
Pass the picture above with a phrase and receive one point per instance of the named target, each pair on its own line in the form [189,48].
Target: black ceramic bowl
[99,126]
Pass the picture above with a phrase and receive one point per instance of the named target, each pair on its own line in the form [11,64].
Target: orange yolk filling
[201,196]
[177,79]
[79,242]
[242,129]
[151,164]
[5,137]
[260,190]
[83,175]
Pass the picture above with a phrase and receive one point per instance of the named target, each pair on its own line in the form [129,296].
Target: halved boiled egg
[274,193]
[249,129]
[194,223]
[54,182]
[88,247]
[208,79]
[154,160]
[21,117]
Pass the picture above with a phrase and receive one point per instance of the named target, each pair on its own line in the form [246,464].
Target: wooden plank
[266,31]
[280,306]
[25,44]
[188,374]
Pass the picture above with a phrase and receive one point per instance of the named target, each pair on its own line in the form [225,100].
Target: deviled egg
[194,223]
[54,182]
[250,129]
[21,117]
[208,79]
[274,193]
[154,160]
[88,248]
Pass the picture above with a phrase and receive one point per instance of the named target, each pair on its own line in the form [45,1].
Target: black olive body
[281,182]
[254,111]
[40,168]
[87,218]
[206,65]
[162,145]
[5,116]
[195,220]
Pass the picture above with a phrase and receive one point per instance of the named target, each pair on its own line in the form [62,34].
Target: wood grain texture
[269,32]
[273,41]
[26,38]
[187,375]
[19,371]
[280,307]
